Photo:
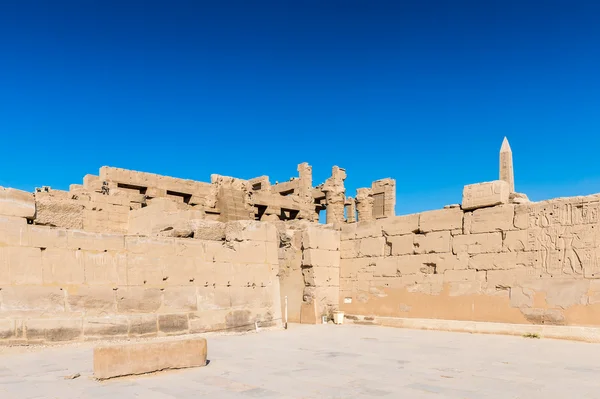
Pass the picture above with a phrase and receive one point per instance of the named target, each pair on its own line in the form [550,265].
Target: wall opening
[139,189]
[186,197]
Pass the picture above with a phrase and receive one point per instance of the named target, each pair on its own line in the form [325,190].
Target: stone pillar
[335,195]
[305,188]
[350,210]
[364,204]
[506,165]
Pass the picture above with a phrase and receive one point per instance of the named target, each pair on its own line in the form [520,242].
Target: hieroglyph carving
[563,238]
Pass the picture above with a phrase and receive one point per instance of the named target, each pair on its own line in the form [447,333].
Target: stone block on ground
[148,357]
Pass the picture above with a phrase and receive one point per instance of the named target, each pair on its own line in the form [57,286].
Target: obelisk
[506,165]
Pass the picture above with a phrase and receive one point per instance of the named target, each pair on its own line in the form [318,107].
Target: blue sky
[421,91]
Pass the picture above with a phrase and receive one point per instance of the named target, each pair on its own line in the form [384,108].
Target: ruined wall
[523,263]
[309,270]
[59,284]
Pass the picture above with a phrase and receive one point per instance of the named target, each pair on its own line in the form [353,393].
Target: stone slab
[17,203]
[148,357]
[485,194]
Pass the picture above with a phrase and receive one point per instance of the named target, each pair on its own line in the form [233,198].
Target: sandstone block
[436,241]
[414,264]
[320,238]
[17,203]
[249,252]
[107,326]
[179,299]
[372,246]
[24,265]
[146,269]
[448,261]
[95,241]
[459,275]
[385,267]
[150,246]
[209,230]
[62,266]
[142,325]
[350,267]
[58,212]
[33,299]
[321,257]
[349,249]
[104,268]
[326,276]
[173,323]
[140,358]
[516,240]
[13,231]
[441,219]
[53,330]
[138,300]
[399,225]
[368,229]
[7,328]
[92,300]
[477,243]
[522,216]
[46,237]
[486,194]
[498,218]
[402,245]
[348,231]
[195,249]
[251,230]
[499,261]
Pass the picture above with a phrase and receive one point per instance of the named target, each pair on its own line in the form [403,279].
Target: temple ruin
[128,254]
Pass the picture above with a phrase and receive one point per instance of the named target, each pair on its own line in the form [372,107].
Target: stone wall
[309,270]
[517,263]
[58,284]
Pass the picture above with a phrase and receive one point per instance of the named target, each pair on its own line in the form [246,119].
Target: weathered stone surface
[53,330]
[486,194]
[143,325]
[402,245]
[33,299]
[442,219]
[140,358]
[498,218]
[59,212]
[517,240]
[435,241]
[321,257]
[92,300]
[209,230]
[139,300]
[173,323]
[371,246]
[319,238]
[16,203]
[460,275]
[477,243]
[499,261]
[107,326]
[399,225]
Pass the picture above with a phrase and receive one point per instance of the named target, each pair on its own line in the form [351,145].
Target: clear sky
[421,91]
